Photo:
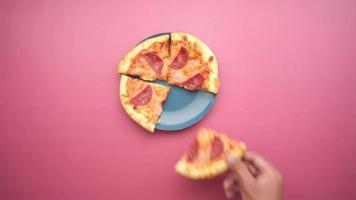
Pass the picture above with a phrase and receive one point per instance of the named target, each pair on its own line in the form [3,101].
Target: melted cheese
[140,67]
[201,60]
[194,65]
[153,109]
[134,64]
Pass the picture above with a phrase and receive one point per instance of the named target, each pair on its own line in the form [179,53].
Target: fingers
[252,169]
[241,172]
[258,162]
[230,186]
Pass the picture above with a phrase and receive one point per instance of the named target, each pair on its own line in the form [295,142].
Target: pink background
[288,77]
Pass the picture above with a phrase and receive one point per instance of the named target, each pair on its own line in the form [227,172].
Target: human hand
[253,177]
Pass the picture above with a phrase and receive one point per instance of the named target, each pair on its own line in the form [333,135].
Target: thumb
[241,172]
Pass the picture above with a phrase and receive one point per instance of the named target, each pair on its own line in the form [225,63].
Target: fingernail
[230,159]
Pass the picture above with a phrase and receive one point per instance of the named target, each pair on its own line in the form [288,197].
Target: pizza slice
[148,60]
[206,156]
[192,64]
[143,101]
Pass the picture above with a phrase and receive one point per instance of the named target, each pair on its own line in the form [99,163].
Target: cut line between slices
[169,55]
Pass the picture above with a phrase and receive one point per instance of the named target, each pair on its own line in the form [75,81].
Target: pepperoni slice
[181,59]
[193,151]
[143,97]
[194,82]
[217,148]
[154,61]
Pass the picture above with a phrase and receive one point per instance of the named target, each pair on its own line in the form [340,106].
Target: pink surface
[288,71]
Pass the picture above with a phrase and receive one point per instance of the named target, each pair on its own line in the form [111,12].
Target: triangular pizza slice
[142,100]
[148,60]
[192,64]
[206,157]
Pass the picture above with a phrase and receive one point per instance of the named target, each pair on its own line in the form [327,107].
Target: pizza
[192,64]
[206,156]
[179,58]
[142,100]
[148,60]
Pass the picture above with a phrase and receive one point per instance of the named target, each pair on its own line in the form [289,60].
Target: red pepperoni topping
[194,82]
[154,61]
[193,151]
[143,97]
[217,148]
[181,59]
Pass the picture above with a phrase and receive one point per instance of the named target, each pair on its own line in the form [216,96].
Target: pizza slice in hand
[192,64]
[148,60]
[143,101]
[206,156]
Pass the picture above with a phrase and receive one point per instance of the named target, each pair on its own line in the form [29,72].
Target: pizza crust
[213,168]
[191,171]
[136,116]
[125,62]
[213,80]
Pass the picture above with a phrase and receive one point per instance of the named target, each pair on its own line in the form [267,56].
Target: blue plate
[183,108]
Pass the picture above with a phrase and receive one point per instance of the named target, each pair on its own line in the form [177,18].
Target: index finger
[261,164]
